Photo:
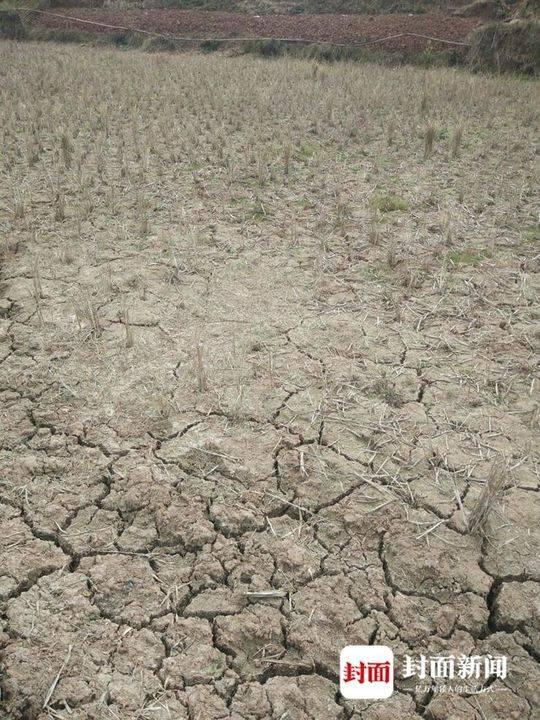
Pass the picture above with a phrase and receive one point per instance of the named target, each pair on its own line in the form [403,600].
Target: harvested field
[347,29]
[268,385]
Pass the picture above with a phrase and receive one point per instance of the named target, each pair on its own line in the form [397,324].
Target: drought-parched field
[268,345]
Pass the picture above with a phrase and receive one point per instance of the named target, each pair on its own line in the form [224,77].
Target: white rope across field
[245,39]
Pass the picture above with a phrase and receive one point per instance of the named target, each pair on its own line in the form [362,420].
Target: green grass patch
[374,272]
[469,256]
[305,152]
[209,46]
[257,210]
[389,203]
[531,234]
[11,25]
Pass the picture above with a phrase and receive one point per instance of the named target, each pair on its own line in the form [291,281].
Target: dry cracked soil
[264,326]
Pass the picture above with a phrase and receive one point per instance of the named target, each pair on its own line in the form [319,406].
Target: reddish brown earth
[349,29]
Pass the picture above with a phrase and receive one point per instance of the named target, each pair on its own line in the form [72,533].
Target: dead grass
[491,493]
[429,138]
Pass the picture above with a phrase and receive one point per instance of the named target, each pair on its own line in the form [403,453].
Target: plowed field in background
[320,28]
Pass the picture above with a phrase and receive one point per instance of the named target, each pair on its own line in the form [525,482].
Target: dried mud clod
[267,384]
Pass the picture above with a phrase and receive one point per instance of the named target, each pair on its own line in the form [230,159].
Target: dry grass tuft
[130,340]
[429,138]
[446,227]
[19,207]
[88,314]
[200,369]
[68,256]
[392,257]
[36,279]
[457,137]
[287,153]
[374,233]
[491,491]
[60,207]
[67,150]
[391,133]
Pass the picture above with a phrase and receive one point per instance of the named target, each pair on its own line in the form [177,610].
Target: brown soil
[349,29]
[367,325]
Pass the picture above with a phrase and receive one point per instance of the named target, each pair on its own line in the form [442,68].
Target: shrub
[11,25]
[208,46]
[486,8]
[66,35]
[161,44]
[267,48]
[513,46]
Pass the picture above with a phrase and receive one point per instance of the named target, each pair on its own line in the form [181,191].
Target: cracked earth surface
[231,363]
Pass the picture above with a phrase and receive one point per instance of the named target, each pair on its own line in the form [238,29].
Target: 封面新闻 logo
[366,672]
